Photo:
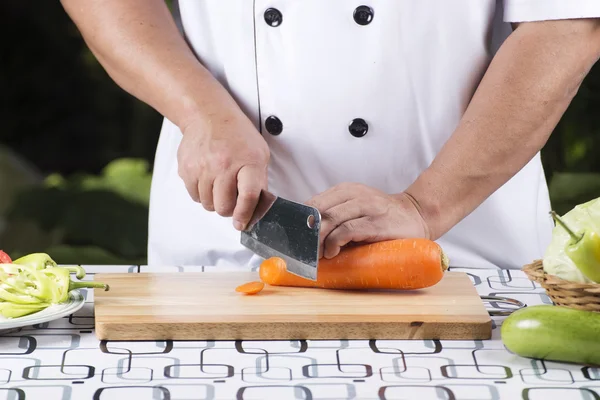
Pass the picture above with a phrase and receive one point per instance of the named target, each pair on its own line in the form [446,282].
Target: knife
[286,229]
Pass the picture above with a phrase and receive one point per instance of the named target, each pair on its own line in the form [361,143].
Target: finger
[225,193]
[337,215]
[331,197]
[251,179]
[205,190]
[192,189]
[340,213]
[191,185]
[356,230]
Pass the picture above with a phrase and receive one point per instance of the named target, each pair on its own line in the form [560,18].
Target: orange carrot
[394,264]
[250,287]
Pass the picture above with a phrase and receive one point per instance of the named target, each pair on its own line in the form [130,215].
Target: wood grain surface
[205,306]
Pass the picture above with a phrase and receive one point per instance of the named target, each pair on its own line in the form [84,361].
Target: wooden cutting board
[205,306]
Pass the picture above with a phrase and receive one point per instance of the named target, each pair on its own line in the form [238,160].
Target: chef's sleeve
[542,10]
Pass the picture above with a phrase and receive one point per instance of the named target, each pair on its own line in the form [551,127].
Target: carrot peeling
[250,287]
[402,264]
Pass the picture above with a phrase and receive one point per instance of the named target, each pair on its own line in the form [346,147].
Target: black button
[273,125]
[358,127]
[363,15]
[273,17]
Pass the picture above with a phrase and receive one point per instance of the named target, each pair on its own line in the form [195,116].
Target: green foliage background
[76,150]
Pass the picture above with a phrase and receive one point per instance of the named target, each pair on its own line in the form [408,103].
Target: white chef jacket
[344,91]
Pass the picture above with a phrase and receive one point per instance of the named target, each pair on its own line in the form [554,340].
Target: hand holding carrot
[352,212]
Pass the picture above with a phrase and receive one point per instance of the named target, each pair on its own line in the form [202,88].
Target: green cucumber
[553,333]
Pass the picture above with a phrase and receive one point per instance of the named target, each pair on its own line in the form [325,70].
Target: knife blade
[286,229]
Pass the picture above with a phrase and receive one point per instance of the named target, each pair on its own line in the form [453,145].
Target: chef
[395,118]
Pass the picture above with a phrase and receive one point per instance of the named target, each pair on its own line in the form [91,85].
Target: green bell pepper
[60,278]
[583,249]
[22,284]
[11,310]
[42,261]
[31,287]
[36,260]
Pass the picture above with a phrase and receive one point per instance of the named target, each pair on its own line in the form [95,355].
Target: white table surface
[63,360]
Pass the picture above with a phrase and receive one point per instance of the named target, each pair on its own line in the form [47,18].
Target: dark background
[76,150]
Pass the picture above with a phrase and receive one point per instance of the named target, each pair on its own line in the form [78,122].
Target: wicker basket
[581,296]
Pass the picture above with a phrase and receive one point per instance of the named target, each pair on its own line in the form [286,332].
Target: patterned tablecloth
[64,360]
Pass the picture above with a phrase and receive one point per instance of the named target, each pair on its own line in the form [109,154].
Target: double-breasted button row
[363,15]
[358,127]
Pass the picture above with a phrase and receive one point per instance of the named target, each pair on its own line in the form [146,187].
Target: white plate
[55,311]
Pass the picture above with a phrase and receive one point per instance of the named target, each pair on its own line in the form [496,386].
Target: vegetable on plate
[553,333]
[36,284]
[401,264]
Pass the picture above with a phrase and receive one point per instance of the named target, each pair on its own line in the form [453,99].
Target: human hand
[352,212]
[223,162]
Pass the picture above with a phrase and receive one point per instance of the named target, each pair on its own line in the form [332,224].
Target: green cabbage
[555,261]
